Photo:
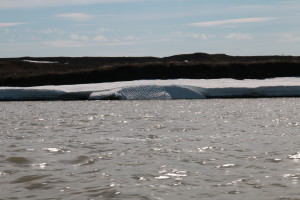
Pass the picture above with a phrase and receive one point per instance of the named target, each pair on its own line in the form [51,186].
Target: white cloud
[78,37]
[72,43]
[290,37]
[47,31]
[239,36]
[7,31]
[64,43]
[193,35]
[51,31]
[10,24]
[232,21]
[131,37]
[12,4]
[100,38]
[75,16]
[103,30]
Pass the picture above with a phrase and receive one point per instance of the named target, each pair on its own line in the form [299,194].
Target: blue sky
[148,27]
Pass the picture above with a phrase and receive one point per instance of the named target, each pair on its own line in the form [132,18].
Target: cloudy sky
[148,27]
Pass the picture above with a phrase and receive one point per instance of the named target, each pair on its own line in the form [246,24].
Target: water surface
[183,149]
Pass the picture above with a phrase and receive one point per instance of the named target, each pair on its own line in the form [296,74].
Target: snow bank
[159,89]
[42,62]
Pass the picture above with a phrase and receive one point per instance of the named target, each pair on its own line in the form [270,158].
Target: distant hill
[203,57]
[32,71]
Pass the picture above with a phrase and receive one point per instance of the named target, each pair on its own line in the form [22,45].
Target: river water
[177,149]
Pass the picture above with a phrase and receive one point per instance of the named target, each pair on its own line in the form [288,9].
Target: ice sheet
[159,89]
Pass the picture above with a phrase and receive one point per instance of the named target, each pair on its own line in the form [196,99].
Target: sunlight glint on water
[185,149]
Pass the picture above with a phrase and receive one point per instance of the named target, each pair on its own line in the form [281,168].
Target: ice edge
[159,90]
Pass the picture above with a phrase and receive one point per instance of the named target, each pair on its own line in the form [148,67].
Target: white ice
[42,62]
[159,89]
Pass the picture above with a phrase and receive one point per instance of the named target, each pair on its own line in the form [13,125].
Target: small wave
[29,178]
[19,160]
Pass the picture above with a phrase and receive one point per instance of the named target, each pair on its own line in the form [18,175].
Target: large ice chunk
[148,92]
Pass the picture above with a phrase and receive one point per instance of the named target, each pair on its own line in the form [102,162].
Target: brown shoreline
[80,70]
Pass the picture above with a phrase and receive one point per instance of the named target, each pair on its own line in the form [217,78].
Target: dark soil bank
[79,70]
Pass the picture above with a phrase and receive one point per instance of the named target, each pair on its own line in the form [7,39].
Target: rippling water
[185,149]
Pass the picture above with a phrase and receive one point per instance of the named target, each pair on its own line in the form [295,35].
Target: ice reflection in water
[199,149]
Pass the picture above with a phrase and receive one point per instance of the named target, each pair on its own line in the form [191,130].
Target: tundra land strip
[36,71]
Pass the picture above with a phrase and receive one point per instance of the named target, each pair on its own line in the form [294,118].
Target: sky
[47,28]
